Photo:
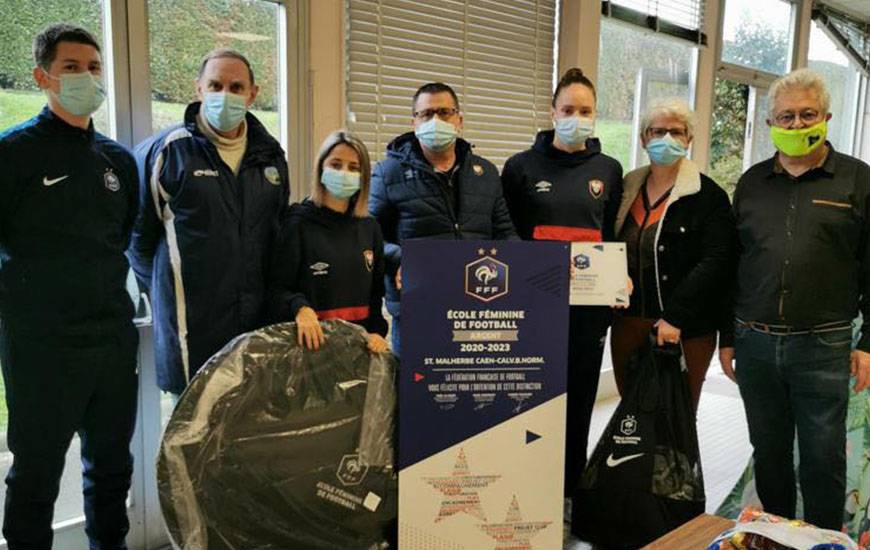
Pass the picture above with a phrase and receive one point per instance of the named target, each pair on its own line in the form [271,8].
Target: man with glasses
[67,341]
[431,185]
[802,276]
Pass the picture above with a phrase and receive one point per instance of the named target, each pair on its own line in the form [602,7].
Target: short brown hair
[359,203]
[45,43]
[573,76]
[223,53]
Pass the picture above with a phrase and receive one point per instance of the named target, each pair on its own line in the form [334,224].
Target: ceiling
[859,9]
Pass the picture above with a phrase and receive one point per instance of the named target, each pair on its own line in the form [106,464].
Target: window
[497,55]
[851,34]
[843,78]
[636,67]
[20,98]
[679,18]
[756,34]
[739,135]
[183,31]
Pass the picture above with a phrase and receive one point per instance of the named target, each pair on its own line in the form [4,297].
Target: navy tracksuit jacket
[67,341]
[330,262]
[202,241]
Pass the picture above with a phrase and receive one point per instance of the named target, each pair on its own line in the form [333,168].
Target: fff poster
[482,394]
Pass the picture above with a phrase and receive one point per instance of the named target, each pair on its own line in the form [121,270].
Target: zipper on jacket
[457,232]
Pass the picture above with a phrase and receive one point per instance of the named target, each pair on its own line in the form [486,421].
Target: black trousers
[57,386]
[587,330]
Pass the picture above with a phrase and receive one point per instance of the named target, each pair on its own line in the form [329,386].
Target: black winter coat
[409,201]
[695,249]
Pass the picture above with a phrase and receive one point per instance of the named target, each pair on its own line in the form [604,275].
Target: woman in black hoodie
[328,260]
[565,189]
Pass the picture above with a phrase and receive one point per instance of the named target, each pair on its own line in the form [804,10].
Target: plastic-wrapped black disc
[276,447]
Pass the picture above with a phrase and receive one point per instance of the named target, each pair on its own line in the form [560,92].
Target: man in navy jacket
[431,185]
[212,189]
[67,341]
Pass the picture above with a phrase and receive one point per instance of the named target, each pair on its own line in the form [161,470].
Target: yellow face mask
[799,142]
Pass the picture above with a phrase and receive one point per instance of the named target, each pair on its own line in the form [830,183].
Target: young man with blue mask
[67,342]
[212,191]
[432,186]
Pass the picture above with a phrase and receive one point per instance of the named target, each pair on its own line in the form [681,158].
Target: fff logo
[486,279]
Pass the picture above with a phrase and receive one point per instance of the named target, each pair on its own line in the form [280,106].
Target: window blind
[496,54]
[680,18]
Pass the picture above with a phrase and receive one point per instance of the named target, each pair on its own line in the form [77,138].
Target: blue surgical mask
[435,134]
[224,111]
[665,150]
[574,130]
[80,93]
[341,184]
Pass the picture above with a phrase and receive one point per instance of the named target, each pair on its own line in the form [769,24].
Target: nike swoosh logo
[612,462]
[48,183]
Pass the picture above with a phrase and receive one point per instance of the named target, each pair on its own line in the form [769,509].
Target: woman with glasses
[680,242]
[328,260]
[565,189]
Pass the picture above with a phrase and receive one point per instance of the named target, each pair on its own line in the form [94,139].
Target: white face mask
[574,130]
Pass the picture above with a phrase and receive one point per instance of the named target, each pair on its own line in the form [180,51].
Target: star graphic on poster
[481,251]
[493,251]
[514,533]
[461,490]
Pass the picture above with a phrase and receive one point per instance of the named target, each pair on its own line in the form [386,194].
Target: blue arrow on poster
[482,394]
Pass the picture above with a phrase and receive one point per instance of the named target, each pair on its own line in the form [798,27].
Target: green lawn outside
[615,139]
[16,107]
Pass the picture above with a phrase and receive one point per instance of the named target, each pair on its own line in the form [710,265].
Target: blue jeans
[797,382]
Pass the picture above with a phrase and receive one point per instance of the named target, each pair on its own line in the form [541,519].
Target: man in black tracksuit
[569,196]
[67,341]
[431,185]
[209,206]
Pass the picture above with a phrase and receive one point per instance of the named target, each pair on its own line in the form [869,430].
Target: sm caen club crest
[486,278]
[369,258]
[596,188]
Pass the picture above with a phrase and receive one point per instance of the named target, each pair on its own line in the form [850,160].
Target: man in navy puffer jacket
[432,186]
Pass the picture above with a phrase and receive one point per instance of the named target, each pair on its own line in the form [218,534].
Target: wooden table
[694,535]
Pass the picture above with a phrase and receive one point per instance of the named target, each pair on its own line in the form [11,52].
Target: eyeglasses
[442,112]
[787,118]
[656,132]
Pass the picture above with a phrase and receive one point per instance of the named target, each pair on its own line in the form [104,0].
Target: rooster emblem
[486,273]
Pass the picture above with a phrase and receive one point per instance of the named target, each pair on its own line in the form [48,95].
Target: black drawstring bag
[276,447]
[644,478]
